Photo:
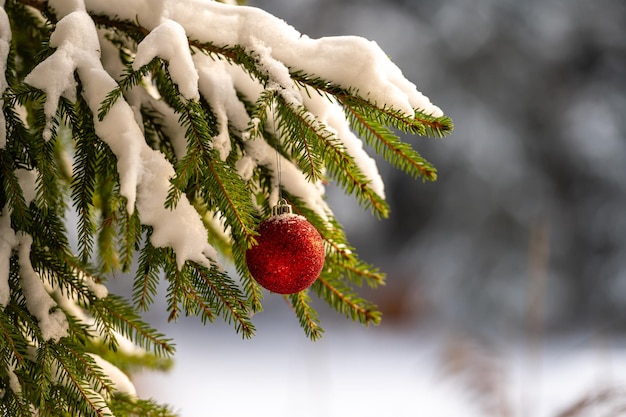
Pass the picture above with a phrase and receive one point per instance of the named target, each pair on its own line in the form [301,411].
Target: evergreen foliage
[51,370]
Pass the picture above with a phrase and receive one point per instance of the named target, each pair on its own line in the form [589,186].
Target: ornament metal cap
[281,208]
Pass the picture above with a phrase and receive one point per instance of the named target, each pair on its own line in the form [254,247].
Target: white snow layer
[27,179]
[144,172]
[350,62]
[52,321]
[331,115]
[169,41]
[5,41]
[8,241]
[8,238]
[121,382]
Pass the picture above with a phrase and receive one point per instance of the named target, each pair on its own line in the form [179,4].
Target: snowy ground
[379,372]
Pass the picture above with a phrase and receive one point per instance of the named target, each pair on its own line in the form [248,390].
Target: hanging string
[281,206]
[278,167]
[278,175]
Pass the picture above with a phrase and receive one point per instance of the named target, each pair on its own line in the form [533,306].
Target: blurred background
[506,291]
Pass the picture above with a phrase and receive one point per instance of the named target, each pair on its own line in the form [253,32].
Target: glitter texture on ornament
[289,255]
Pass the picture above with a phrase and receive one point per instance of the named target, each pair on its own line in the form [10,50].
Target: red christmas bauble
[289,255]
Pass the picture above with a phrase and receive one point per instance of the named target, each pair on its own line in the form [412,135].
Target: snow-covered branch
[184,122]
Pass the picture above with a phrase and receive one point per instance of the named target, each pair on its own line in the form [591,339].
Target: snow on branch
[168,41]
[52,321]
[5,40]
[351,62]
[275,54]
[183,91]
[144,173]
[8,241]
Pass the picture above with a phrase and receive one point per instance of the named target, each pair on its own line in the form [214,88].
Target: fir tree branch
[97,379]
[147,275]
[400,154]
[14,405]
[108,202]
[226,189]
[259,113]
[251,288]
[113,314]
[129,362]
[224,296]
[128,80]
[48,192]
[419,124]
[343,299]
[178,281]
[153,126]
[196,304]
[311,140]
[307,316]
[86,161]
[12,340]
[356,271]
[304,135]
[201,173]
[80,396]
[339,252]
[12,192]
[42,377]
[123,405]
[49,241]
[130,226]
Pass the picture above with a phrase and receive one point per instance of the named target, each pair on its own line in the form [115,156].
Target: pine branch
[86,160]
[80,396]
[307,316]
[63,272]
[51,240]
[14,405]
[153,127]
[400,154]
[197,305]
[340,255]
[12,192]
[113,314]
[83,362]
[201,173]
[130,231]
[420,124]
[259,113]
[48,192]
[129,80]
[123,405]
[19,147]
[311,141]
[224,296]
[129,362]
[41,372]
[251,288]
[108,202]
[63,378]
[304,137]
[356,271]
[147,276]
[19,316]
[33,34]
[344,300]
[13,344]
